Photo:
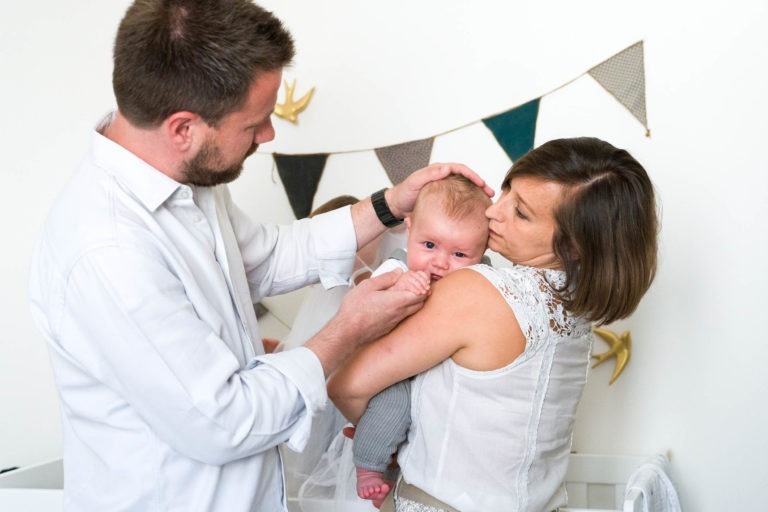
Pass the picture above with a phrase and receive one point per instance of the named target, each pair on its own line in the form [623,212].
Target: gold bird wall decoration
[290,109]
[620,348]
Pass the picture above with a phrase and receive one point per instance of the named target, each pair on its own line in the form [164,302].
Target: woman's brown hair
[607,226]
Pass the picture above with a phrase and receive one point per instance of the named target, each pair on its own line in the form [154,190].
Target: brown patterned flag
[401,160]
[300,175]
[623,76]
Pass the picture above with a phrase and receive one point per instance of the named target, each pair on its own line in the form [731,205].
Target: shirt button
[185,194]
[197,218]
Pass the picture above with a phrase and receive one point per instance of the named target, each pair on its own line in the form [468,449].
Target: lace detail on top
[406,505]
[531,293]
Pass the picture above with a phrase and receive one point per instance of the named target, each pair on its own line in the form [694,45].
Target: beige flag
[623,76]
[401,160]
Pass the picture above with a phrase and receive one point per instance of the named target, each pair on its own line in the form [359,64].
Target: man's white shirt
[143,289]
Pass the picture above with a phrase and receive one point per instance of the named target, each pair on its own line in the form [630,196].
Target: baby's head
[447,229]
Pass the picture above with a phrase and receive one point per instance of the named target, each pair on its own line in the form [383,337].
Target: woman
[502,354]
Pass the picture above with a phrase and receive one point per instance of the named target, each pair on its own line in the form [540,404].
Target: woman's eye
[520,214]
[429,245]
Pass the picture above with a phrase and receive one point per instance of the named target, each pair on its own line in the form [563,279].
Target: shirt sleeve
[282,258]
[302,368]
[134,338]
[389,265]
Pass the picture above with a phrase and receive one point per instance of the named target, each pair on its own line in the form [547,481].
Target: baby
[447,230]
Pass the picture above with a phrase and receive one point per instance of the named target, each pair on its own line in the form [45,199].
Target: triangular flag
[300,175]
[401,160]
[515,129]
[623,76]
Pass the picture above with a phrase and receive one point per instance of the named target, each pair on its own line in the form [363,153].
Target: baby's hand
[416,281]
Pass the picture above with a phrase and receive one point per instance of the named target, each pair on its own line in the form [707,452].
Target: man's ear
[183,129]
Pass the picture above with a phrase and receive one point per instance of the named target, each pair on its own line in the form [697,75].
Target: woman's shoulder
[522,277]
[532,293]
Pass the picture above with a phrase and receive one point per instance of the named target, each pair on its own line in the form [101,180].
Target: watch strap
[382,210]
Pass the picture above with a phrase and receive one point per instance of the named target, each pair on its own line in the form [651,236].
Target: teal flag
[515,129]
[300,175]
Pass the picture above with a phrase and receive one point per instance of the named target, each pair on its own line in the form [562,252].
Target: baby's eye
[429,245]
[460,255]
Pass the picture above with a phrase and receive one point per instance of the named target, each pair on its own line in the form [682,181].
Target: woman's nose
[490,211]
[494,211]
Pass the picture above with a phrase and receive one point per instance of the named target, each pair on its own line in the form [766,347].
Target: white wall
[396,71]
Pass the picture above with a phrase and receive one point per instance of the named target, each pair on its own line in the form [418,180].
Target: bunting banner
[300,175]
[515,129]
[401,160]
[622,76]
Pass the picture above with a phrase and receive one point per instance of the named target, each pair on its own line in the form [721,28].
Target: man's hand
[369,311]
[402,197]
[375,306]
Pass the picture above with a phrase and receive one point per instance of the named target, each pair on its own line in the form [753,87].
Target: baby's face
[439,244]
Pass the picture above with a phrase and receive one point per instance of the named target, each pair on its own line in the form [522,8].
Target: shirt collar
[150,186]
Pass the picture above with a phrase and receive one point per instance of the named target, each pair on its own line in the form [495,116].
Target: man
[144,277]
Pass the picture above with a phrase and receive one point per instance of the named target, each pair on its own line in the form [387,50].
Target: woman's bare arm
[465,318]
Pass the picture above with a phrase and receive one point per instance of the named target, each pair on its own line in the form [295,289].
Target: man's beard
[204,171]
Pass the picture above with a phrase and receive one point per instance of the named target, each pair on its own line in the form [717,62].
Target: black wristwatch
[382,210]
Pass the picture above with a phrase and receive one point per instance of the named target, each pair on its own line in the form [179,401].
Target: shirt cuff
[335,242]
[303,369]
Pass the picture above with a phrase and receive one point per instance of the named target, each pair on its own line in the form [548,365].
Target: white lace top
[499,440]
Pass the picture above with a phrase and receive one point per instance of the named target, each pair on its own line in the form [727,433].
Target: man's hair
[606,224]
[195,55]
[458,196]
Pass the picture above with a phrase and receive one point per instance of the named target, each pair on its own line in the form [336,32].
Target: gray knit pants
[383,427]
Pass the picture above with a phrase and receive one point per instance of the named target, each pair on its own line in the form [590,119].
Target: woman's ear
[565,246]
[572,251]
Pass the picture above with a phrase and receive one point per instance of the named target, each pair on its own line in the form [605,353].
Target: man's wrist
[383,212]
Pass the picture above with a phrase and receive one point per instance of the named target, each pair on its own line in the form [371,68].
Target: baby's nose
[440,261]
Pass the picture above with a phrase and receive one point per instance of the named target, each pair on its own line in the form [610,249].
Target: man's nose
[265,134]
